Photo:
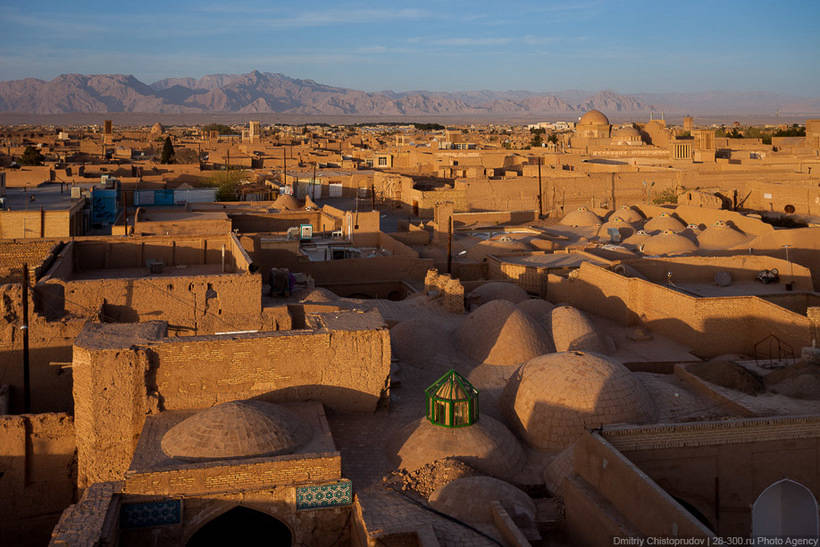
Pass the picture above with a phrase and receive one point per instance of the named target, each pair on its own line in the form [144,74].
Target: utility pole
[24,328]
[540,191]
[450,245]
[284,166]
[373,196]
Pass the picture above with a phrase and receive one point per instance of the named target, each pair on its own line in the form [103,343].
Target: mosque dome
[627,214]
[496,290]
[721,235]
[237,429]
[581,217]
[594,117]
[572,330]
[626,135]
[554,398]
[668,243]
[286,202]
[662,222]
[486,445]
[469,499]
[498,333]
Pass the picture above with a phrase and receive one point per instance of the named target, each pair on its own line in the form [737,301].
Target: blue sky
[654,46]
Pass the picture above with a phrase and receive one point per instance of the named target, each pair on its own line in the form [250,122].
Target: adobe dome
[237,429]
[157,129]
[554,398]
[572,330]
[636,240]
[558,469]
[663,222]
[627,213]
[624,228]
[486,445]
[594,117]
[496,246]
[668,243]
[420,343]
[496,290]
[286,202]
[469,499]
[498,333]
[721,236]
[581,217]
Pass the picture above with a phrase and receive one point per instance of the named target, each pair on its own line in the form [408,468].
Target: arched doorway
[785,509]
[242,526]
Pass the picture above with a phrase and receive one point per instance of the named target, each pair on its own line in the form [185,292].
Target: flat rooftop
[48,196]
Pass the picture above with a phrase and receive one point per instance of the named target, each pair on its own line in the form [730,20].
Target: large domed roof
[581,217]
[721,236]
[662,222]
[469,499]
[626,131]
[627,213]
[420,343]
[594,117]
[499,245]
[498,333]
[668,243]
[238,429]
[486,445]
[554,398]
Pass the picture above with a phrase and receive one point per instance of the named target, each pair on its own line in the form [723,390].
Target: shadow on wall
[51,385]
[332,397]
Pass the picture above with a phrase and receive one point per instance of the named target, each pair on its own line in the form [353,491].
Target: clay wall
[34,224]
[114,389]
[277,222]
[37,473]
[646,507]
[711,326]
[720,468]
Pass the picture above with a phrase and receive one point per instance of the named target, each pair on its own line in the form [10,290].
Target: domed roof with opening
[237,429]
[581,217]
[663,222]
[721,235]
[668,243]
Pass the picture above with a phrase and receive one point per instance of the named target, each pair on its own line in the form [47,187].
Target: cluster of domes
[554,398]
[498,333]
[237,429]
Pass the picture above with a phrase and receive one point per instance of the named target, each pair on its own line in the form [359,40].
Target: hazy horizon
[640,47]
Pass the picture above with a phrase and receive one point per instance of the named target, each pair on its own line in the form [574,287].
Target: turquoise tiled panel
[152,513]
[334,494]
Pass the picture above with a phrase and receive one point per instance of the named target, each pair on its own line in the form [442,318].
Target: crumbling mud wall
[346,367]
[37,474]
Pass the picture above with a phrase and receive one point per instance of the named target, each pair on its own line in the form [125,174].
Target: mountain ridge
[267,92]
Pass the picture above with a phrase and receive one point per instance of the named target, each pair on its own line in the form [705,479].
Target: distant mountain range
[265,92]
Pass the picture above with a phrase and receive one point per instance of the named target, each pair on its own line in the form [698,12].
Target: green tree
[31,156]
[167,151]
[553,138]
[227,183]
